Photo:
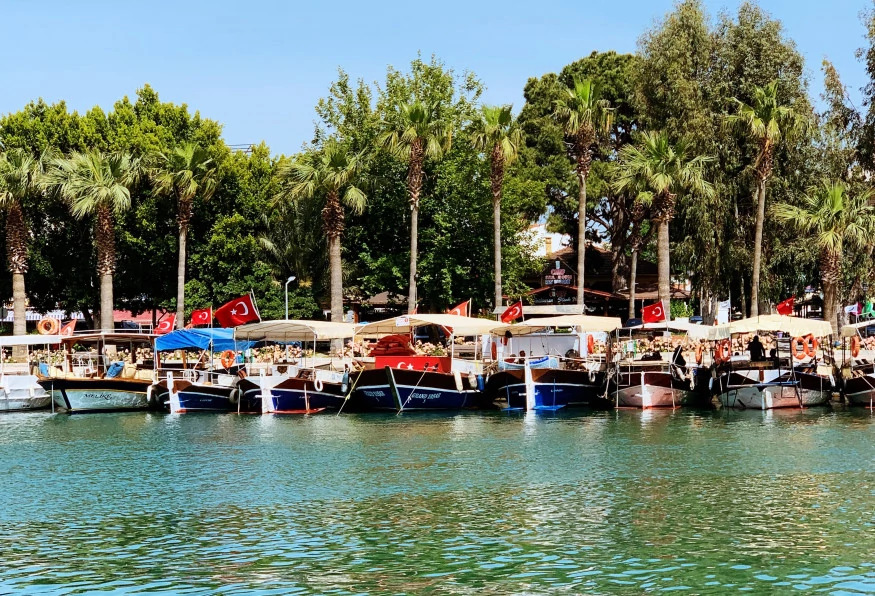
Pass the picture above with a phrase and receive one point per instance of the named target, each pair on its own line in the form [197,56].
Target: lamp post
[288,281]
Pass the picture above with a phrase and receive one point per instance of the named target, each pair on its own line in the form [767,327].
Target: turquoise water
[623,502]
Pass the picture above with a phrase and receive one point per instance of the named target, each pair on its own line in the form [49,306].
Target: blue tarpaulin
[186,339]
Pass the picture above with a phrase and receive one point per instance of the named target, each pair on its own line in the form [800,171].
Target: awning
[29,340]
[794,326]
[294,330]
[583,323]
[217,339]
[545,309]
[854,328]
[461,326]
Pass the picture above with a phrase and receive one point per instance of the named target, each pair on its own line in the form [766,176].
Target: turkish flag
[165,325]
[461,309]
[653,313]
[237,312]
[67,330]
[203,316]
[513,312]
[786,307]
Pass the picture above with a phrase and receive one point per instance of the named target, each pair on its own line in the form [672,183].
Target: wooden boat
[560,368]
[94,379]
[21,391]
[294,387]
[796,380]
[857,370]
[409,382]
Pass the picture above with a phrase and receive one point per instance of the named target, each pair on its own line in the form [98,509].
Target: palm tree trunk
[581,234]
[414,238]
[180,278]
[105,237]
[106,318]
[758,249]
[664,268]
[19,304]
[830,274]
[497,180]
[16,254]
[414,187]
[633,271]
[336,267]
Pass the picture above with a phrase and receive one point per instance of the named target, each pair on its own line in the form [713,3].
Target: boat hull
[292,395]
[411,390]
[25,404]
[188,397]
[97,395]
[656,389]
[553,388]
[740,391]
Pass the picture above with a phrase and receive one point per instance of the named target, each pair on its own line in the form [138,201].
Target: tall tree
[187,173]
[497,134]
[328,173]
[98,184]
[766,122]
[658,171]
[583,115]
[20,179]
[836,221]
[417,134]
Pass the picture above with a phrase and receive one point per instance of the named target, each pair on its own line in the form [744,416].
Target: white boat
[21,392]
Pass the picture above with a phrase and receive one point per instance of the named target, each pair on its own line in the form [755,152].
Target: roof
[385,299]
[283,330]
[108,337]
[583,323]
[144,318]
[32,315]
[29,340]
[852,329]
[545,309]
[403,324]
[599,293]
[217,339]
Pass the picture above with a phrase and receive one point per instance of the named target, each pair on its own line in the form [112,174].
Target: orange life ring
[855,346]
[48,326]
[797,352]
[700,350]
[590,344]
[228,357]
[810,345]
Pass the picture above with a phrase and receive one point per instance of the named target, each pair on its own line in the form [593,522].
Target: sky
[259,68]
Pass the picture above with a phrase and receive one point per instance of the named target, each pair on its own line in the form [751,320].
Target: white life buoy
[317,384]
[457,376]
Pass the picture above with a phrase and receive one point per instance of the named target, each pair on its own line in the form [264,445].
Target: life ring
[590,344]
[810,345]
[48,326]
[722,351]
[855,346]
[700,351]
[317,384]
[228,357]
[799,353]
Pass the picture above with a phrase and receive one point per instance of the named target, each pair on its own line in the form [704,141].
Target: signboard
[558,277]
[561,295]
[432,363]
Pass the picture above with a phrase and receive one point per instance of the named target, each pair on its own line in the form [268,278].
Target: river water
[485,503]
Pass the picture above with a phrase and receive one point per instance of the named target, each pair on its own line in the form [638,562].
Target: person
[755,347]
[678,357]
[522,357]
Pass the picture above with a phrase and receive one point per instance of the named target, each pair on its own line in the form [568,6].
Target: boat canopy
[216,339]
[693,330]
[795,326]
[29,340]
[459,325]
[854,328]
[294,330]
[584,323]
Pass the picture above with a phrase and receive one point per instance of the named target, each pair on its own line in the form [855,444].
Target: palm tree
[20,180]
[636,240]
[766,123]
[418,133]
[98,183]
[658,172]
[583,115]
[329,173]
[835,220]
[497,134]
[187,172]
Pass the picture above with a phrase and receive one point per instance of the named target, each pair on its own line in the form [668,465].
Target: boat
[858,365]
[209,384]
[397,379]
[558,369]
[290,386]
[20,391]
[793,377]
[95,377]
[653,379]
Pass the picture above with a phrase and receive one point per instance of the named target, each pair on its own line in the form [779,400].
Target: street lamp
[288,281]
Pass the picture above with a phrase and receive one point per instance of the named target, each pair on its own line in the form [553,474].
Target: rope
[415,387]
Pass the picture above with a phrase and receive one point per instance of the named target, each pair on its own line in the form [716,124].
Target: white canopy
[794,326]
[852,329]
[294,330]
[29,340]
[693,330]
[460,325]
[583,323]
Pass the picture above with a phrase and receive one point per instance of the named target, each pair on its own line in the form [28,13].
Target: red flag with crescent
[237,312]
[513,312]
[67,330]
[786,307]
[165,325]
[653,313]
[461,309]
[203,316]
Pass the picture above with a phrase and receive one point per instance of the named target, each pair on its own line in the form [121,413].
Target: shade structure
[404,324]
[294,330]
[794,326]
[216,339]
[583,323]
[854,328]
[29,340]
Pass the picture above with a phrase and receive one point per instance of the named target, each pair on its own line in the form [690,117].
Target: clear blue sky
[259,67]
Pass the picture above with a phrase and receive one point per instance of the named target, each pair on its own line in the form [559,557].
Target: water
[614,502]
